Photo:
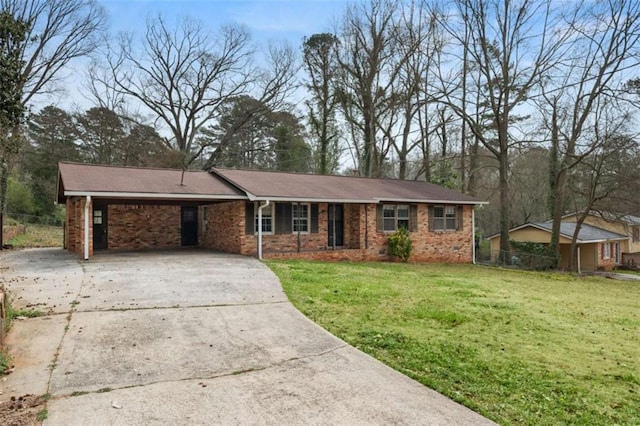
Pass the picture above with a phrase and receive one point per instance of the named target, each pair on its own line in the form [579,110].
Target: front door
[336,225]
[189,225]
[99,227]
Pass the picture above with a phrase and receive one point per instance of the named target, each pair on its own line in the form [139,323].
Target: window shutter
[249,216]
[413,218]
[430,219]
[460,217]
[379,217]
[283,218]
[314,218]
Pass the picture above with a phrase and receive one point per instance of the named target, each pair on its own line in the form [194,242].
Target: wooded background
[529,104]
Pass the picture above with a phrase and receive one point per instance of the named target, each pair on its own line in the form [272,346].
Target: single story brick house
[261,213]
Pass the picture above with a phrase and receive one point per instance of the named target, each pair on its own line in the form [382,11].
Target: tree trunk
[505,247]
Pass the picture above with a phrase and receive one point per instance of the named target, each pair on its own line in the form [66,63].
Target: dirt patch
[21,411]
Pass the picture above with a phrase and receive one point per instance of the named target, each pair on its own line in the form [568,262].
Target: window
[394,217]
[606,250]
[267,218]
[300,217]
[636,234]
[97,217]
[445,218]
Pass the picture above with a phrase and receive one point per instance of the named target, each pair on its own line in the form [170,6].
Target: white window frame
[396,218]
[268,214]
[296,220]
[449,217]
[606,250]
[97,217]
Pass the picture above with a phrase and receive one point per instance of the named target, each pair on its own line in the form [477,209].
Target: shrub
[536,256]
[400,244]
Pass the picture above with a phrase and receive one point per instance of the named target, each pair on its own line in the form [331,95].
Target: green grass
[42,415]
[38,236]
[12,313]
[518,347]
[5,362]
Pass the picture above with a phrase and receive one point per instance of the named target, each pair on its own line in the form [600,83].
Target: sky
[266,20]
[289,20]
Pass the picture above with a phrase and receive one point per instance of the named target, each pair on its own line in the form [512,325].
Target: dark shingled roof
[587,232]
[96,179]
[307,187]
[135,182]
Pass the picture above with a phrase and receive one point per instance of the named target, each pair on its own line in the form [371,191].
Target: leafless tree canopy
[60,31]
[184,74]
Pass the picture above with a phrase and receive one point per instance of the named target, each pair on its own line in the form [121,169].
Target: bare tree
[60,31]
[603,45]
[371,59]
[421,47]
[320,63]
[183,75]
[513,44]
[57,31]
[608,175]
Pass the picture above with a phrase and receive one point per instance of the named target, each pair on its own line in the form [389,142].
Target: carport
[122,208]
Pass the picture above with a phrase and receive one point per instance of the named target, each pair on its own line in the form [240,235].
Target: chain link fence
[517,259]
[27,219]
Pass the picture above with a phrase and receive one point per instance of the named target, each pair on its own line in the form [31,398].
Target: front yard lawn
[518,347]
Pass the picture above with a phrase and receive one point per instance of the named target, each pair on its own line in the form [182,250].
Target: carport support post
[86,227]
[260,228]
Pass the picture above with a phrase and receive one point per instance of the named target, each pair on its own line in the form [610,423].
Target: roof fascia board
[313,200]
[148,195]
[424,201]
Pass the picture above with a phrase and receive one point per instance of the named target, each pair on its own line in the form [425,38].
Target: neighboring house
[604,241]
[259,213]
[601,244]
[627,225]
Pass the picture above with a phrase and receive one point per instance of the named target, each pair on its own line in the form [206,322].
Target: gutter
[151,195]
[86,227]
[473,234]
[262,206]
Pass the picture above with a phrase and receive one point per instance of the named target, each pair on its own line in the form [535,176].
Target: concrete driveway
[192,337]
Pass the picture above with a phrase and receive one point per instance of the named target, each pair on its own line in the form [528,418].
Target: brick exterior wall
[428,246]
[353,224]
[133,227]
[606,264]
[222,226]
[74,226]
[362,241]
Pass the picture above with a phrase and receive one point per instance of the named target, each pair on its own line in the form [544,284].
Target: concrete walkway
[192,337]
